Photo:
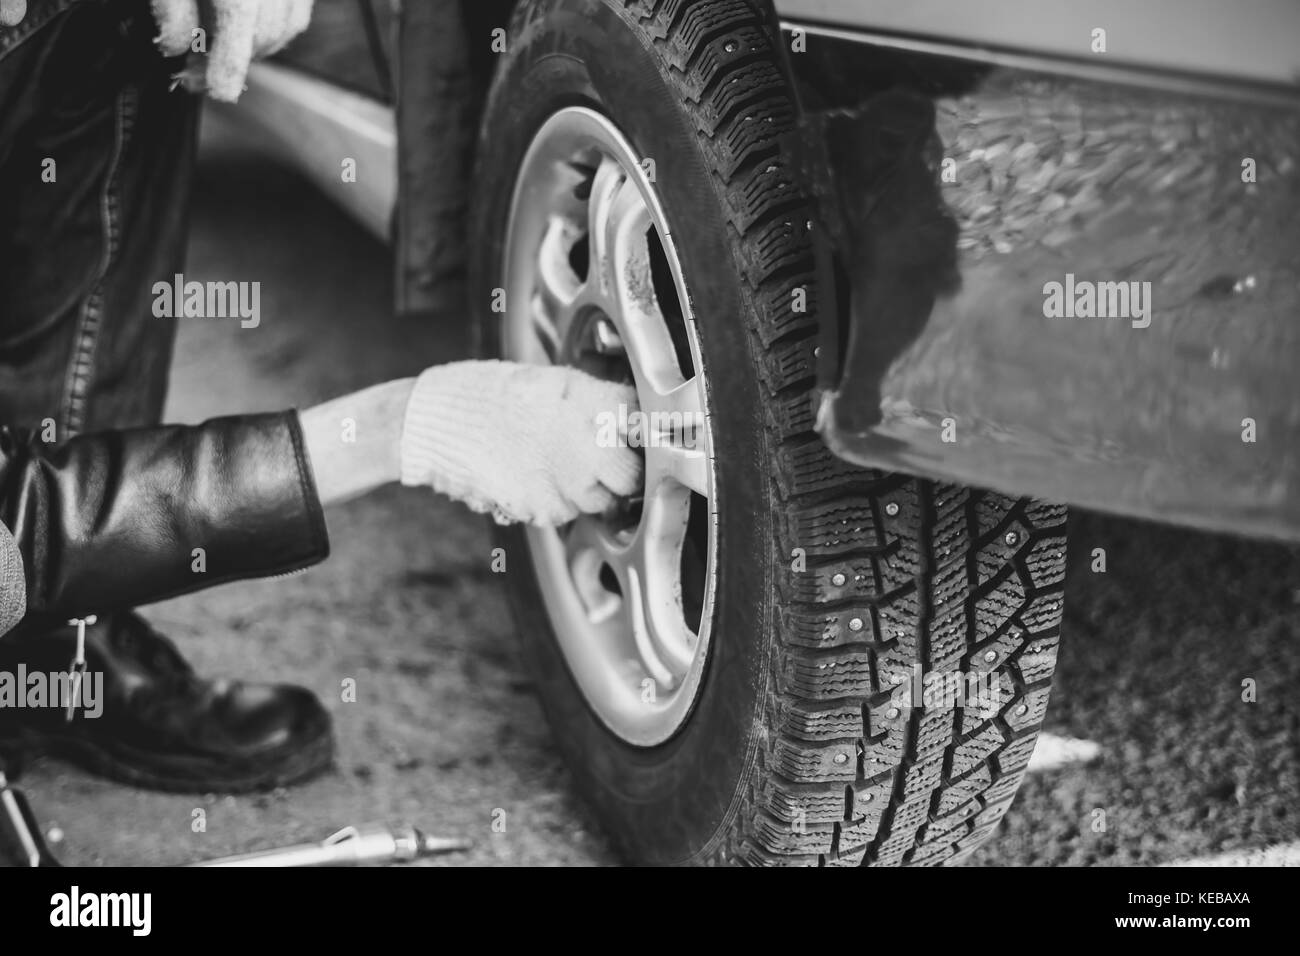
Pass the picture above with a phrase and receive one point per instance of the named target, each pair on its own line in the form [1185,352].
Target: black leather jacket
[113,520]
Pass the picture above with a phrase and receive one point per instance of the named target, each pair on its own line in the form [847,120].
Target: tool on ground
[351,846]
[19,828]
[21,839]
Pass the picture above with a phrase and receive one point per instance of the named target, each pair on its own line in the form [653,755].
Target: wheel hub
[593,280]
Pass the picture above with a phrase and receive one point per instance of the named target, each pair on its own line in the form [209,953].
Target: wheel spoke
[679,465]
[675,444]
[654,563]
[557,288]
[588,548]
[606,185]
[686,400]
[647,570]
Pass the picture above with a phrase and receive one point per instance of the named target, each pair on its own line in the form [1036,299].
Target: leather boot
[159,724]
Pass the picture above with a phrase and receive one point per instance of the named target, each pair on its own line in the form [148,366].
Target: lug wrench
[24,831]
[351,846]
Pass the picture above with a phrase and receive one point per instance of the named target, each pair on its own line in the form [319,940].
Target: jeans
[96,157]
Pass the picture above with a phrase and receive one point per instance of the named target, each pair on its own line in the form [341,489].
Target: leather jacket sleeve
[116,519]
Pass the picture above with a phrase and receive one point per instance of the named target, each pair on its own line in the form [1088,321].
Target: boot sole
[176,774]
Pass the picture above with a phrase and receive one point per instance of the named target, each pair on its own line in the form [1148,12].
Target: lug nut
[607,337]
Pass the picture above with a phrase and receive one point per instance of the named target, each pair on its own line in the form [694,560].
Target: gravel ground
[1153,658]
[446,733]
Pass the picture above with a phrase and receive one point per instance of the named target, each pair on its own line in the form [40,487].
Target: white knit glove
[520,442]
[240,31]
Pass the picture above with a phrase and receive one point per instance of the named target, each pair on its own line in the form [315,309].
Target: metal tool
[23,831]
[351,846]
[78,663]
[20,837]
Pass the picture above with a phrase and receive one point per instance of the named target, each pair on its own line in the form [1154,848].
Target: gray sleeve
[13,582]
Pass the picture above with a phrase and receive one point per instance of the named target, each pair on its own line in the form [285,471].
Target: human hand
[240,31]
[518,441]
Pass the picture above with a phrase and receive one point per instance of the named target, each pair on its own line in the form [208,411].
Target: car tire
[839,591]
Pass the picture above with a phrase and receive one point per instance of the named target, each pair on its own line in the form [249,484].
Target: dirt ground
[446,733]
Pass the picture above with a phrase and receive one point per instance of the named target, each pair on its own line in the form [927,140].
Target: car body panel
[1061,179]
[1257,40]
[317,127]
[348,43]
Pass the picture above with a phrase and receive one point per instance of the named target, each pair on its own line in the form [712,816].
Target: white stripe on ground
[1284,854]
[1053,752]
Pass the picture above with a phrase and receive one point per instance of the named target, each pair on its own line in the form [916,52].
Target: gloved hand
[241,31]
[517,441]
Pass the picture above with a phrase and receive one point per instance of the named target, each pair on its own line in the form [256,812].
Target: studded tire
[836,585]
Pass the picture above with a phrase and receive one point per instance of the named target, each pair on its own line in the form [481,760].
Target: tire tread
[840,781]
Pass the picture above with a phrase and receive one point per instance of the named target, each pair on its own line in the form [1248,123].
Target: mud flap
[442,67]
